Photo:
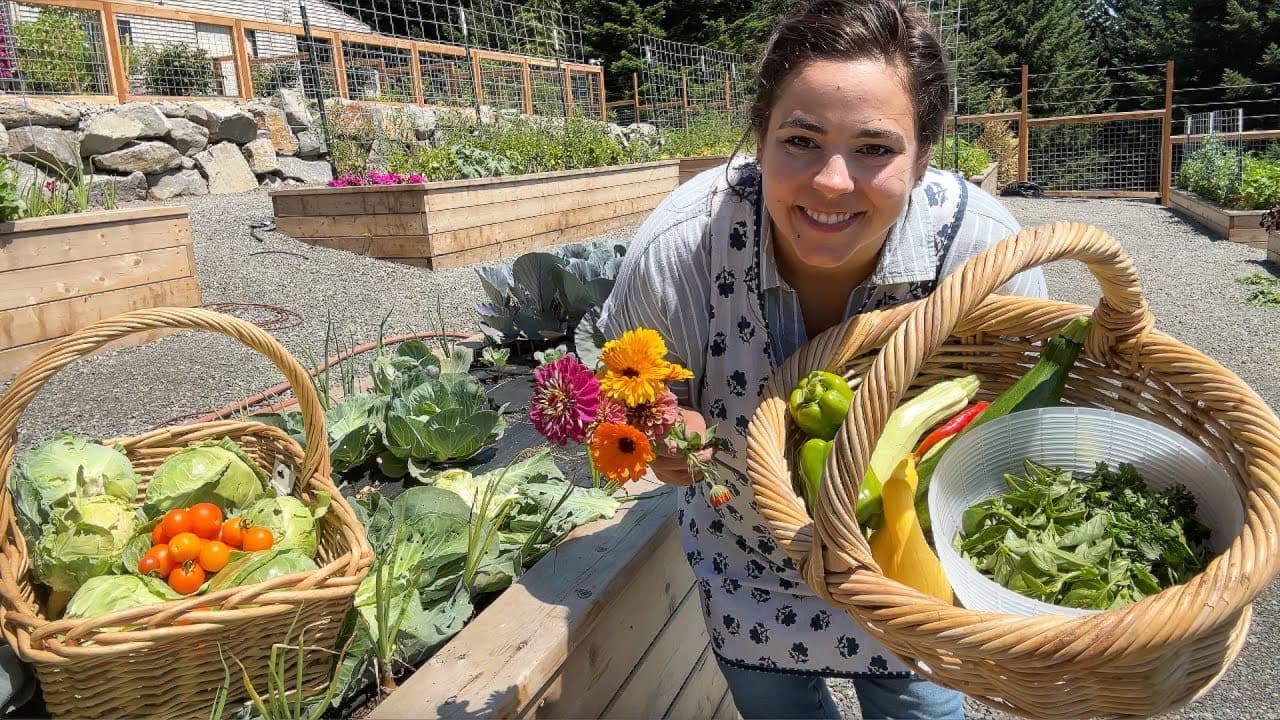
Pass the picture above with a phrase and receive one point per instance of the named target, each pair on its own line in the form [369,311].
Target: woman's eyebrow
[879,134]
[802,123]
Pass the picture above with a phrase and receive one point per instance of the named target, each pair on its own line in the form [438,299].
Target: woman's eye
[876,150]
[800,142]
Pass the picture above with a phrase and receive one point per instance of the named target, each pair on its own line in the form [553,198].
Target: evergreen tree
[611,31]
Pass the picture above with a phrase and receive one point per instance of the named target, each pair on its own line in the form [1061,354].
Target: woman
[839,214]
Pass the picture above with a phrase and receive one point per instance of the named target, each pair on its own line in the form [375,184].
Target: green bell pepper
[820,403]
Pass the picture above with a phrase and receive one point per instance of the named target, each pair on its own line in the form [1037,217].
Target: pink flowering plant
[375,177]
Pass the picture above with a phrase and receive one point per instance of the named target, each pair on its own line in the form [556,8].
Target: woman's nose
[834,178]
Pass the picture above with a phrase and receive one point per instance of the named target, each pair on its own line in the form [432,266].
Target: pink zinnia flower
[611,411]
[566,396]
[655,419]
[415,178]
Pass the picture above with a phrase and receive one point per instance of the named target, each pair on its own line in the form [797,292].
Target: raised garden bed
[986,179]
[1241,226]
[1273,247]
[454,223]
[691,166]
[60,273]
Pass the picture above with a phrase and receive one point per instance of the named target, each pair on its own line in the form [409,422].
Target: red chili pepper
[951,427]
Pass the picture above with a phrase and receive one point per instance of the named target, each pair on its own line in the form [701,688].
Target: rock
[188,137]
[58,148]
[148,157]
[108,132]
[261,156]
[4,139]
[175,183]
[272,121]
[271,181]
[122,187]
[187,163]
[643,129]
[226,168]
[311,143]
[16,111]
[422,120]
[296,109]
[170,110]
[153,122]
[307,171]
[224,121]
[28,175]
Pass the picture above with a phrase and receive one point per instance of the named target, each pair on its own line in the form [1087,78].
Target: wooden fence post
[684,100]
[339,65]
[635,95]
[415,66]
[477,82]
[604,103]
[1024,132]
[115,59]
[240,56]
[1166,135]
[526,80]
[568,92]
[728,96]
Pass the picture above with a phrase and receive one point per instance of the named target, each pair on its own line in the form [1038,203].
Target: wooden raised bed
[1273,247]
[1241,226]
[60,273]
[986,179]
[691,166]
[608,624]
[448,224]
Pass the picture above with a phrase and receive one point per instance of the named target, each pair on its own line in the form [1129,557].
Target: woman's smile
[828,221]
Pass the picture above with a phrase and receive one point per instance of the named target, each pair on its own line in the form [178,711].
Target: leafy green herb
[1100,541]
[1265,293]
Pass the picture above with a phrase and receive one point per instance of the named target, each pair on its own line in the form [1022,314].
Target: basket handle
[1120,322]
[88,339]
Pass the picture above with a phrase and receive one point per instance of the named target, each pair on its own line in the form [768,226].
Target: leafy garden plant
[971,160]
[56,54]
[178,69]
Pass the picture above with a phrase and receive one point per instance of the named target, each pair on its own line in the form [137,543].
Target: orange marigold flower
[620,452]
[636,370]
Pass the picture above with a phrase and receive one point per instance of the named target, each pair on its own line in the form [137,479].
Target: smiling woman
[838,215]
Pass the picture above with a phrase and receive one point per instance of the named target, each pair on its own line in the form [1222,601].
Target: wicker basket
[1136,661]
[170,662]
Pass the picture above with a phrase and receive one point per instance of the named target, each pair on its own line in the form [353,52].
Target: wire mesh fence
[681,80]
[53,51]
[174,58]
[280,60]
[378,73]
[1107,155]
[446,79]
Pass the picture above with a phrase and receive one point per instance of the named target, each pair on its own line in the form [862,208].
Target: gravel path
[1188,277]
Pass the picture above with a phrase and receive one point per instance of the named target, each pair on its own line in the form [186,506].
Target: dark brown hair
[895,32]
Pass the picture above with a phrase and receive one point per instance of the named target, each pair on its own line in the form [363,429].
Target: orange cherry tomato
[157,535]
[176,522]
[185,546]
[214,556]
[206,520]
[233,532]
[186,578]
[157,562]
[257,538]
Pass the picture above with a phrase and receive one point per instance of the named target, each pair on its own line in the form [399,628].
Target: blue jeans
[763,695]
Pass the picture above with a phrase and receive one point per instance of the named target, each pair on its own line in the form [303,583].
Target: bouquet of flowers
[622,411]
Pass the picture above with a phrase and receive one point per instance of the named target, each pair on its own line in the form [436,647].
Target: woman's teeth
[827,218]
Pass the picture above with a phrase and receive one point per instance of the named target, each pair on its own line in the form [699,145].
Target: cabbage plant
[443,420]
[293,525]
[62,466]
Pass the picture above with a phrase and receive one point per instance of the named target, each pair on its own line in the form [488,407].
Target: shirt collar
[908,255]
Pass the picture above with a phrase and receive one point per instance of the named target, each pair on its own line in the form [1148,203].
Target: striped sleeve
[986,222]
[664,284]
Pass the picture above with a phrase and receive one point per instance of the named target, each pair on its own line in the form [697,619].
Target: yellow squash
[899,546]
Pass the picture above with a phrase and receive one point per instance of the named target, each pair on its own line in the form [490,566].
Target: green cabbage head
[255,567]
[112,593]
[291,522]
[85,539]
[217,472]
[62,466]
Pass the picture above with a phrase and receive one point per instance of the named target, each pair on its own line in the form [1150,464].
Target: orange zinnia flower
[620,452]
[636,370]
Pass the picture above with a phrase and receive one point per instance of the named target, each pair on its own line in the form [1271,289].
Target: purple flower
[415,178]
[566,396]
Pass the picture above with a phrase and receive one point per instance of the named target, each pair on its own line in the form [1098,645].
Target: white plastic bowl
[1075,439]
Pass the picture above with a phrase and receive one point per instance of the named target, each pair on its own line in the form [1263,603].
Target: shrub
[709,133]
[270,77]
[1260,187]
[177,69]
[56,54]
[972,159]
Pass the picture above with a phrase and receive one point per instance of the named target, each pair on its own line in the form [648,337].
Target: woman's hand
[670,466]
